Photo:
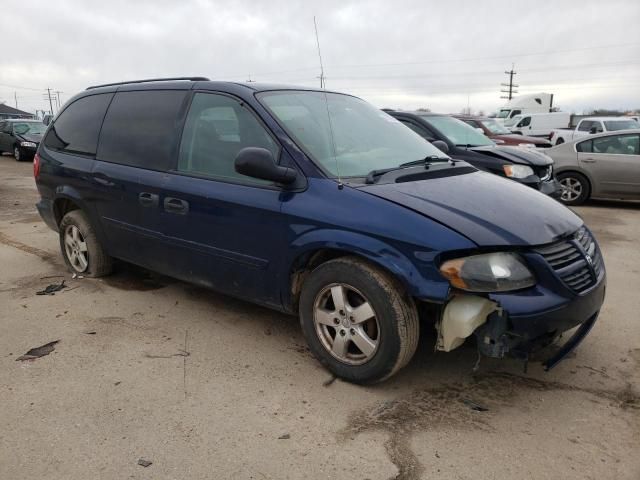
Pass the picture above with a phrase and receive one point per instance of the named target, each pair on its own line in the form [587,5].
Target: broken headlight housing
[517,171]
[489,272]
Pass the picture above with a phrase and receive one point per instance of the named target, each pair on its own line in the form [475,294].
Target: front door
[226,228]
[614,162]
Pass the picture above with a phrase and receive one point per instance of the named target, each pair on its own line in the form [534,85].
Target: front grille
[577,260]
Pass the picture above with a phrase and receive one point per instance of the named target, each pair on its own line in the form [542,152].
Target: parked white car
[538,124]
[591,125]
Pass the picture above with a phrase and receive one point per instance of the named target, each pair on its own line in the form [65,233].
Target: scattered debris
[286,436]
[267,331]
[474,406]
[92,332]
[181,353]
[52,289]
[144,463]
[52,276]
[328,383]
[117,383]
[75,275]
[38,352]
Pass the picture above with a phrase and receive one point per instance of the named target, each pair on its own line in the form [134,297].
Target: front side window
[217,128]
[617,144]
[141,129]
[76,129]
[613,125]
[458,132]
[525,122]
[345,135]
[420,131]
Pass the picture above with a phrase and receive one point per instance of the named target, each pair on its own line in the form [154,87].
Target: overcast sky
[400,54]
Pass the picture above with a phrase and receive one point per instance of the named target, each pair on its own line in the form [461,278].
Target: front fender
[420,278]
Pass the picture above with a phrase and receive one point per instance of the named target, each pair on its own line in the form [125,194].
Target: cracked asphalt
[205,386]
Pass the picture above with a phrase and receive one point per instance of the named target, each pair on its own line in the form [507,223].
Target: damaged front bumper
[520,323]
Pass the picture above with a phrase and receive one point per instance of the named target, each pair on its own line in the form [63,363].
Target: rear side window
[141,129]
[77,128]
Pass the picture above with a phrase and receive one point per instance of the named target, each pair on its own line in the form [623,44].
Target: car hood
[521,139]
[487,209]
[30,137]
[515,155]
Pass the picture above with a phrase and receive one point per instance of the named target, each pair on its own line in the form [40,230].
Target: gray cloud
[405,54]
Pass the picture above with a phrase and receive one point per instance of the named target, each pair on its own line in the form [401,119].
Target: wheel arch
[585,174]
[312,250]
[68,199]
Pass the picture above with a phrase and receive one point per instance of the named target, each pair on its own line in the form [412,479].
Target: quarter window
[76,129]
[141,129]
[217,128]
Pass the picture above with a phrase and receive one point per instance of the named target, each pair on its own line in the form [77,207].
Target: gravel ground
[205,386]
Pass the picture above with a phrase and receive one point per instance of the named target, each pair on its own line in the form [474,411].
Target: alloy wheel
[571,189]
[16,153]
[76,248]
[346,324]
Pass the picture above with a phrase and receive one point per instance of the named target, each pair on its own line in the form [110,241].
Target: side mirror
[593,130]
[440,145]
[259,163]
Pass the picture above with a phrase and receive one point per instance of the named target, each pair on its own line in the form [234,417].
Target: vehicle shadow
[618,204]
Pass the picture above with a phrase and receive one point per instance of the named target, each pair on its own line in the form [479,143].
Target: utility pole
[512,86]
[50,102]
[57,92]
[15,97]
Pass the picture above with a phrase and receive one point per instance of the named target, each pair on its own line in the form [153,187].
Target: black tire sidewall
[586,188]
[389,346]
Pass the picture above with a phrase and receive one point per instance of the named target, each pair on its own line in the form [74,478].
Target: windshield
[504,113]
[458,132]
[32,128]
[494,127]
[613,125]
[358,139]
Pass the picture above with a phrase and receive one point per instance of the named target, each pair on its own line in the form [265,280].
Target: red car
[499,134]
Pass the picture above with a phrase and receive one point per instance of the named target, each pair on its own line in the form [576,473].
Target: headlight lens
[517,171]
[28,144]
[490,272]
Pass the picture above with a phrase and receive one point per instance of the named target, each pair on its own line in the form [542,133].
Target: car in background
[462,142]
[21,137]
[606,165]
[590,126]
[500,134]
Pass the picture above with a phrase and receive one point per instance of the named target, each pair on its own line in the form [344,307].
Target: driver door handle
[589,160]
[176,205]
[148,199]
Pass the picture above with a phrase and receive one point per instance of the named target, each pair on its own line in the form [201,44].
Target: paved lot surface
[208,387]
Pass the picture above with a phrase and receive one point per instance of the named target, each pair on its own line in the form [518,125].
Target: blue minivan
[318,204]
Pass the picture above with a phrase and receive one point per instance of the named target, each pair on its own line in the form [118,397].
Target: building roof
[6,109]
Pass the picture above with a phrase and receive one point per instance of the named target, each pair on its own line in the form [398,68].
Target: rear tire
[81,248]
[370,332]
[575,188]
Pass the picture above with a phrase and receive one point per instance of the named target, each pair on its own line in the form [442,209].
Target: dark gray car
[21,137]
[605,166]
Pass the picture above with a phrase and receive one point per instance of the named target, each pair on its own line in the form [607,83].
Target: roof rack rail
[147,80]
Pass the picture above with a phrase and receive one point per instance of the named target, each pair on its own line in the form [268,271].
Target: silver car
[606,165]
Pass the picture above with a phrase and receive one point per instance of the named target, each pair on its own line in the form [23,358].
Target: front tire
[17,154]
[81,248]
[357,320]
[575,188]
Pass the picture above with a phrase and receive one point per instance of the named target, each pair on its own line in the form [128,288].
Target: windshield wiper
[373,174]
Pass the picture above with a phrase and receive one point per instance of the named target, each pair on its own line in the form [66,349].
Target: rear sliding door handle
[148,199]
[175,205]
[589,160]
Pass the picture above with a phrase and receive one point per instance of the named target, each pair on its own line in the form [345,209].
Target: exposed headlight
[28,144]
[490,272]
[517,171]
